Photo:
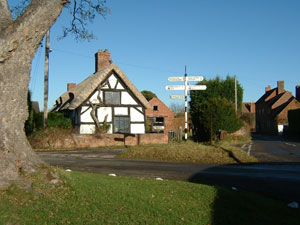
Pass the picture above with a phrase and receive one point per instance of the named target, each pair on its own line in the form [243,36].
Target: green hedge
[58,120]
[54,120]
[216,112]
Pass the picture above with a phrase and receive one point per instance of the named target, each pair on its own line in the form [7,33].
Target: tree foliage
[148,95]
[215,107]
[219,88]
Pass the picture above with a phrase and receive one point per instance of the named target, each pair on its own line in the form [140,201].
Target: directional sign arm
[197,87]
[183,78]
[175,87]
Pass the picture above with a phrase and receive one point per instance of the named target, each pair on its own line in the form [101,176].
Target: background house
[159,112]
[272,109]
[107,97]
[248,114]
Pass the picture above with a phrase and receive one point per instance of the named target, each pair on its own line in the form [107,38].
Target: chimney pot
[268,88]
[102,59]
[70,86]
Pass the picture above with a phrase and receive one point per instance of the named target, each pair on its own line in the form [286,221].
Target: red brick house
[248,107]
[272,109]
[159,112]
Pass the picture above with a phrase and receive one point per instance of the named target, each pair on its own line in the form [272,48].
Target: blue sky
[256,40]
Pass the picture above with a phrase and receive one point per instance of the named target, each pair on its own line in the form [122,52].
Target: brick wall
[162,111]
[283,116]
[78,141]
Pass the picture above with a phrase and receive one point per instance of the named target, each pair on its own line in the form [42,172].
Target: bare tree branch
[83,11]
[93,114]
[20,8]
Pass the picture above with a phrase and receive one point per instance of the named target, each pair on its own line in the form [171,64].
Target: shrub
[216,112]
[29,123]
[38,120]
[58,120]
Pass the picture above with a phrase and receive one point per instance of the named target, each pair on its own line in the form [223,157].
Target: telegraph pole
[46,79]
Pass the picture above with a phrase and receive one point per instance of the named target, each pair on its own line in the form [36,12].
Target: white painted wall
[120,86]
[136,116]
[102,112]
[110,130]
[94,98]
[87,129]
[137,128]
[280,129]
[127,99]
[86,117]
[112,81]
[121,111]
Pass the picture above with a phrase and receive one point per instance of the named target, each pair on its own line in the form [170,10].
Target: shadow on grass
[253,199]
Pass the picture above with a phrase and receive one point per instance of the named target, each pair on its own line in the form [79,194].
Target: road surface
[280,179]
[274,149]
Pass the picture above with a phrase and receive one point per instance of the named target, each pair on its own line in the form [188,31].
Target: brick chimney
[280,87]
[102,59]
[268,88]
[298,93]
[70,86]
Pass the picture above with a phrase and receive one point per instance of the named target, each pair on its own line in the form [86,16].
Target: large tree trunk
[19,41]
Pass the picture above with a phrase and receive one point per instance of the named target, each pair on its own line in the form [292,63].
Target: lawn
[100,199]
[220,153]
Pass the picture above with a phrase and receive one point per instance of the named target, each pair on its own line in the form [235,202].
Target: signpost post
[185,88]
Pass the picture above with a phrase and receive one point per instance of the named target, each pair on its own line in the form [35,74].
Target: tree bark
[5,16]
[19,41]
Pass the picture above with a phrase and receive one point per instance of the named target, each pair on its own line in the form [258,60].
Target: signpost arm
[185,103]
[185,87]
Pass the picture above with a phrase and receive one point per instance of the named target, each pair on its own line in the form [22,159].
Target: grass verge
[98,199]
[221,153]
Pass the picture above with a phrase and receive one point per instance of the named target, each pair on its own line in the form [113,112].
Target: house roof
[80,93]
[265,97]
[161,112]
[278,102]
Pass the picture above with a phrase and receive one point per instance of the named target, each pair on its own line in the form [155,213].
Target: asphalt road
[277,178]
[274,149]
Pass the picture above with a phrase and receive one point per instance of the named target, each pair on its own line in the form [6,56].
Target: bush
[218,112]
[29,123]
[38,120]
[58,120]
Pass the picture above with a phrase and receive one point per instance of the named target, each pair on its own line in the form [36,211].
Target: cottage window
[121,124]
[155,108]
[112,98]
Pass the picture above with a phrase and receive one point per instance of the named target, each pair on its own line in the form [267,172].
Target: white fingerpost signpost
[186,87]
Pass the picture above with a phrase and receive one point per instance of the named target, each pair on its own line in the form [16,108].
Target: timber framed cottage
[106,97]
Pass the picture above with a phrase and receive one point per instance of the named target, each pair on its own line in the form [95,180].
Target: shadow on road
[260,137]
[235,191]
